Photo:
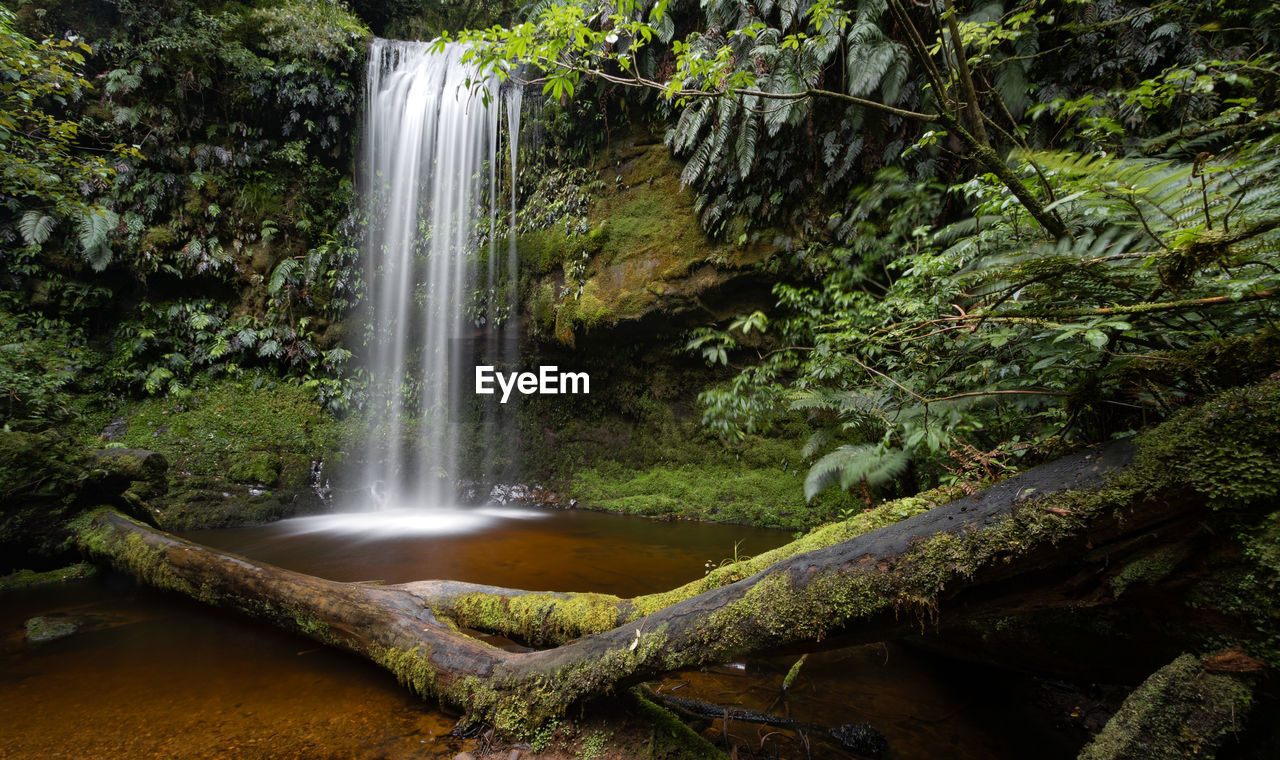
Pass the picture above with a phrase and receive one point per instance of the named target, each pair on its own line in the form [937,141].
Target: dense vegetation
[816,254]
[989,233]
[1002,230]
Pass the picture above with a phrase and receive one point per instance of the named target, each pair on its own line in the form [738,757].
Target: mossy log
[1052,537]
[1192,707]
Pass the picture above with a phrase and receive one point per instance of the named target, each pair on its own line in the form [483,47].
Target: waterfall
[430,183]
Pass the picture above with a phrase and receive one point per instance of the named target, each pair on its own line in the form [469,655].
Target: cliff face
[638,252]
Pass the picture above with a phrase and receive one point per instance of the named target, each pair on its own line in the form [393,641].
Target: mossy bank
[240,450]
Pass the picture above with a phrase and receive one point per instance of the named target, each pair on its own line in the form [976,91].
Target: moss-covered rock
[240,450]
[42,476]
[640,251]
[49,628]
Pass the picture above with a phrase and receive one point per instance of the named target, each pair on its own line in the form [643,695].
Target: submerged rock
[50,628]
[862,739]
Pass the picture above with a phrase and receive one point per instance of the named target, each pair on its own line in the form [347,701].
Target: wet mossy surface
[240,450]
[640,251]
[758,480]
[635,445]
[28,578]
[44,478]
[1181,711]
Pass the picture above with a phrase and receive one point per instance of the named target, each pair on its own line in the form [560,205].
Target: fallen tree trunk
[1192,707]
[1048,538]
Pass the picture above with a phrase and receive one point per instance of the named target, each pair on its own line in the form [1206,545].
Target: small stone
[513,755]
[40,629]
[464,756]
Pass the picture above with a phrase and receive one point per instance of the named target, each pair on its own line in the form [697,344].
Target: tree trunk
[1054,536]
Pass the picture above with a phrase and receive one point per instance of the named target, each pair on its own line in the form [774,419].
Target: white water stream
[431,180]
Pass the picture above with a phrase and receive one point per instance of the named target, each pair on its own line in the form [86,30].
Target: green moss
[1240,424]
[1180,712]
[229,434]
[412,668]
[634,445]
[128,553]
[670,734]
[542,619]
[542,252]
[517,706]
[258,467]
[878,517]
[40,629]
[539,618]
[1148,569]
[1246,586]
[591,310]
[1224,449]
[28,578]
[641,248]
[212,502]
[232,425]
[158,239]
[764,495]
[43,483]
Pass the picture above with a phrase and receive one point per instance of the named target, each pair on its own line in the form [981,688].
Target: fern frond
[872,57]
[748,137]
[849,465]
[816,443]
[93,230]
[36,226]
[665,27]
[285,273]
[697,164]
[828,469]
[887,466]
[689,127]
[726,114]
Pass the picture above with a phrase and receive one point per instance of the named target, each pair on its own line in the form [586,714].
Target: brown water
[158,676]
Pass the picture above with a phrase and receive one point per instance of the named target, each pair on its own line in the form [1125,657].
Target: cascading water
[433,127]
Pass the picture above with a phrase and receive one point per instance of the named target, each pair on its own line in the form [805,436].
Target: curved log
[1050,537]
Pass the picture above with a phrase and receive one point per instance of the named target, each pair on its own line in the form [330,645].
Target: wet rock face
[50,628]
[638,252]
[518,493]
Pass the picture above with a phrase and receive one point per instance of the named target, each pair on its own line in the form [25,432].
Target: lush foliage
[46,184]
[205,175]
[998,217]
